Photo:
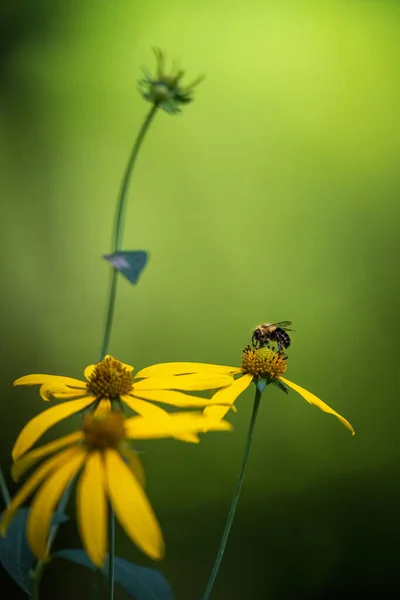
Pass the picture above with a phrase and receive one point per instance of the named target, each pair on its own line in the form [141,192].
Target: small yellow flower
[257,364]
[110,470]
[166,90]
[112,381]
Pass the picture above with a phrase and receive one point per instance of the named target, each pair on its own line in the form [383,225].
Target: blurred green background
[273,196]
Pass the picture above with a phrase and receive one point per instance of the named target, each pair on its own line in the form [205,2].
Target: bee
[272,332]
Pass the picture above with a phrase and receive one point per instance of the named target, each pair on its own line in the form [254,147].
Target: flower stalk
[119,225]
[235,499]
[4,489]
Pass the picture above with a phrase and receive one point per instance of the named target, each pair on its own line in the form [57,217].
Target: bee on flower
[263,366]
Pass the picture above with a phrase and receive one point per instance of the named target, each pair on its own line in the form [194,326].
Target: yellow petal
[31,458]
[148,410]
[37,426]
[88,372]
[191,438]
[131,506]
[46,500]
[31,484]
[175,398]
[129,368]
[172,425]
[134,463]
[68,394]
[143,408]
[202,381]
[180,368]
[317,402]
[92,509]
[49,390]
[227,395]
[56,380]
[104,406]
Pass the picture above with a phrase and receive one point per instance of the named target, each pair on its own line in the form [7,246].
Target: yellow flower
[165,90]
[111,381]
[258,364]
[110,470]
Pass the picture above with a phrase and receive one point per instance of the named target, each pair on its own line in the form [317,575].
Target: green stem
[4,489]
[235,499]
[35,576]
[119,222]
[96,585]
[111,554]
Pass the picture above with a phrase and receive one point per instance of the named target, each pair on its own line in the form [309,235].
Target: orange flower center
[263,363]
[106,430]
[110,379]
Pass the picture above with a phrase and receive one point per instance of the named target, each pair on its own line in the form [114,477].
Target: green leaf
[140,583]
[15,554]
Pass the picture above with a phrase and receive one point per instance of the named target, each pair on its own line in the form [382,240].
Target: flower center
[263,363]
[106,430]
[110,379]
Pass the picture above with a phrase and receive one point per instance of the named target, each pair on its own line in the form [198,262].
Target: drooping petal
[37,426]
[227,395]
[50,390]
[175,398]
[198,382]
[181,368]
[92,509]
[31,484]
[45,502]
[134,463]
[57,380]
[311,399]
[131,506]
[31,458]
[143,408]
[173,425]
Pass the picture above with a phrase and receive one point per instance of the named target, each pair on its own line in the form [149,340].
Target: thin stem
[4,489]
[111,554]
[96,585]
[35,576]
[119,222]
[235,498]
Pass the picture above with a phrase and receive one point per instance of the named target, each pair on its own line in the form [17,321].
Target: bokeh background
[273,196]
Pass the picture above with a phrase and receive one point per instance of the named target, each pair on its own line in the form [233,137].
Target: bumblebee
[272,332]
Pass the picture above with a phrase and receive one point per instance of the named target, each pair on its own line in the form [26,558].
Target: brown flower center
[106,430]
[263,363]
[110,379]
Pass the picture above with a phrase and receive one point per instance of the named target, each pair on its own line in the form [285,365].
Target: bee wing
[282,324]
